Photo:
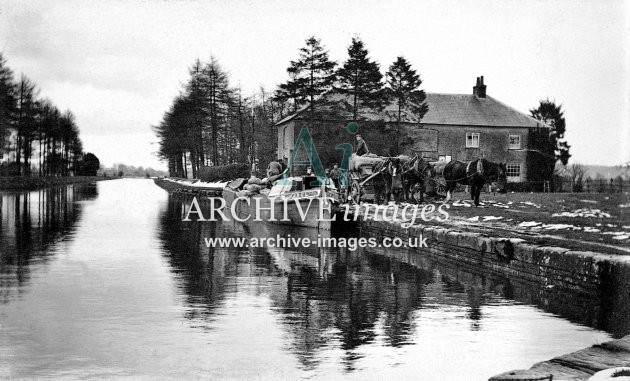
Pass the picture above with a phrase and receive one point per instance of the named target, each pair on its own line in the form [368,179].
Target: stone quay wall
[546,266]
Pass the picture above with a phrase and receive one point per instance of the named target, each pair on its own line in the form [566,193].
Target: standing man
[362,148]
[334,175]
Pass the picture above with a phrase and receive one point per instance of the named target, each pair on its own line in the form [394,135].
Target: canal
[105,280]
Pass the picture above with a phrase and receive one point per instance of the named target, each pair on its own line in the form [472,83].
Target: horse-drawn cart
[436,183]
[360,172]
[364,179]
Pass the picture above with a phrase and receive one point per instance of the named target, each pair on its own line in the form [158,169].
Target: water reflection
[30,222]
[336,298]
[317,291]
[120,286]
[603,308]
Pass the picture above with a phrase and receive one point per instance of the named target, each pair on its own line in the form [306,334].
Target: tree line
[211,123]
[34,133]
[120,169]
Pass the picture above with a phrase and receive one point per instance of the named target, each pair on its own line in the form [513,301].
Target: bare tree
[576,173]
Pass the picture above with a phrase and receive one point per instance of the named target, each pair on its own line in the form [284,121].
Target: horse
[388,179]
[476,174]
[415,172]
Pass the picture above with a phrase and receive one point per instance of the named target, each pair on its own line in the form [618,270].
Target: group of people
[277,168]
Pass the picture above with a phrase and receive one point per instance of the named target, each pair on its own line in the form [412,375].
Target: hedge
[224,172]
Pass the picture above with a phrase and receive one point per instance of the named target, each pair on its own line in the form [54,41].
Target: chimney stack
[479,90]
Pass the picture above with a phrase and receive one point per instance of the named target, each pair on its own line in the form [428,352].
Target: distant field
[605,171]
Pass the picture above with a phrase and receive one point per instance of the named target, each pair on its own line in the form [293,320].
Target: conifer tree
[7,103]
[403,88]
[315,70]
[361,78]
[311,75]
[553,116]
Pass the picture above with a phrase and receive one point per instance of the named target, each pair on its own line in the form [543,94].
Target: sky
[117,65]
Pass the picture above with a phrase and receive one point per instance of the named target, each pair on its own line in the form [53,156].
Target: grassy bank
[17,183]
[600,222]
[578,221]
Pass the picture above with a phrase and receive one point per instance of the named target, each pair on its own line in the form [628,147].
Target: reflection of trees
[362,294]
[205,275]
[29,224]
[603,311]
[321,295]
[193,264]
[332,297]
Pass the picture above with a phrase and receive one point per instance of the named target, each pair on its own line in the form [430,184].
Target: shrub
[224,172]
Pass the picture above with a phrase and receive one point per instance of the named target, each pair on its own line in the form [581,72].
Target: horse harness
[469,173]
[414,167]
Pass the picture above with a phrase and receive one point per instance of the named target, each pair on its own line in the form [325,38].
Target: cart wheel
[355,193]
[440,187]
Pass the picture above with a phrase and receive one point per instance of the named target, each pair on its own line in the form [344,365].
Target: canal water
[105,280]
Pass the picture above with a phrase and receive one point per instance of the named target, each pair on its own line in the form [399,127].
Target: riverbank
[552,251]
[190,187]
[18,183]
[577,221]
[571,272]
[576,366]
[581,221]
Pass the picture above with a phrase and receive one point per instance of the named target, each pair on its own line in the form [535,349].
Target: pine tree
[288,93]
[314,72]
[553,116]
[403,88]
[361,78]
[196,100]
[219,98]
[25,123]
[172,132]
[7,103]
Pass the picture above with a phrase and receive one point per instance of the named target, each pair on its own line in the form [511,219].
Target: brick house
[457,126]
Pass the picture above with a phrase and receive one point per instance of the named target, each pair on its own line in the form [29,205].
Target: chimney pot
[479,90]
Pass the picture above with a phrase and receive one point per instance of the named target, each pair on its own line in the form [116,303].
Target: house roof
[447,109]
[467,109]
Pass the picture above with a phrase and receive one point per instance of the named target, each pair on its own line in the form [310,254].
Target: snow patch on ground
[529,224]
[618,235]
[500,205]
[203,184]
[535,225]
[491,218]
[596,213]
[528,204]
[199,184]
[559,227]
[626,205]
[462,203]
[589,201]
